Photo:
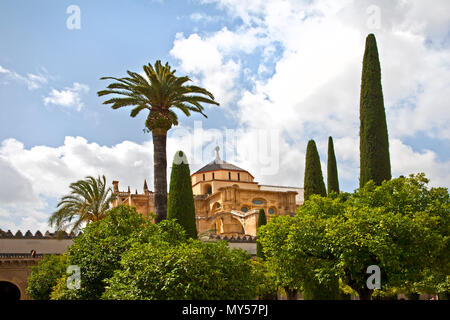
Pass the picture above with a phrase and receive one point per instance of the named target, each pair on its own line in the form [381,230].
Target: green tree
[262,220]
[374,143]
[45,275]
[267,286]
[88,201]
[401,226]
[332,173]
[98,250]
[159,92]
[181,199]
[190,270]
[288,271]
[313,183]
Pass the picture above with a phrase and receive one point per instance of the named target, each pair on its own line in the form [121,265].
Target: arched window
[258,201]
[215,207]
[207,189]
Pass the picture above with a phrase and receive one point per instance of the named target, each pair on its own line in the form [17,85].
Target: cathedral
[227,199]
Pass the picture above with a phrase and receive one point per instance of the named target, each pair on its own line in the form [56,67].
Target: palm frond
[88,201]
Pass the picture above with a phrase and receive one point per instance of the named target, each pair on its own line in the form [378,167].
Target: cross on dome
[217,154]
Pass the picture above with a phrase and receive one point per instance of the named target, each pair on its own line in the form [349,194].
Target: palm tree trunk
[160,173]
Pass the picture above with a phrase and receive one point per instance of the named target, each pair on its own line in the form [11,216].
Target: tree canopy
[190,270]
[126,256]
[45,275]
[401,226]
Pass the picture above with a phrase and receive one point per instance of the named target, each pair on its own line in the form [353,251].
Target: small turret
[115,186]
[146,187]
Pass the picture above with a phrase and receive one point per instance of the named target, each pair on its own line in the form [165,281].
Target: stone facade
[19,252]
[227,199]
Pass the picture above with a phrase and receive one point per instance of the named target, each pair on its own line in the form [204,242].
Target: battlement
[37,235]
[233,238]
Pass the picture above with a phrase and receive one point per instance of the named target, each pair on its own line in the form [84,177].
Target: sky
[284,72]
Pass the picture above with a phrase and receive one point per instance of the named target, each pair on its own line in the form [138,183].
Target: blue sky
[112,39]
[282,70]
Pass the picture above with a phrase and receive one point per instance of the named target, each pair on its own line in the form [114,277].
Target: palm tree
[159,93]
[87,202]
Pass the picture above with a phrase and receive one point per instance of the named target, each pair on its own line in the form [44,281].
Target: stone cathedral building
[227,199]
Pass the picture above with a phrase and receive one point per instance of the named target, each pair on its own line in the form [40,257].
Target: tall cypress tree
[374,143]
[332,174]
[181,199]
[313,183]
[261,221]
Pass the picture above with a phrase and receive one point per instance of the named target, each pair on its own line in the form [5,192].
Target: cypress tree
[313,183]
[374,143]
[332,174]
[261,221]
[181,199]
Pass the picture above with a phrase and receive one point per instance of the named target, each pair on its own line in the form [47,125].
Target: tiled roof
[213,166]
[219,164]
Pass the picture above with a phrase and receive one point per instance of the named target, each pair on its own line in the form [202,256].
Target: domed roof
[219,164]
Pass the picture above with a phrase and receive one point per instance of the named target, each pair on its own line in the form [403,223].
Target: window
[244,209]
[271,211]
[213,175]
[229,175]
[239,176]
[257,201]
[203,177]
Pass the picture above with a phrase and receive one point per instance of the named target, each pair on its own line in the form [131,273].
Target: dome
[219,164]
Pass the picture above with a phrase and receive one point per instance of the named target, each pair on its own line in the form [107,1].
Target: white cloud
[33,81]
[404,161]
[69,97]
[3,70]
[202,17]
[206,62]
[30,176]
[314,89]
